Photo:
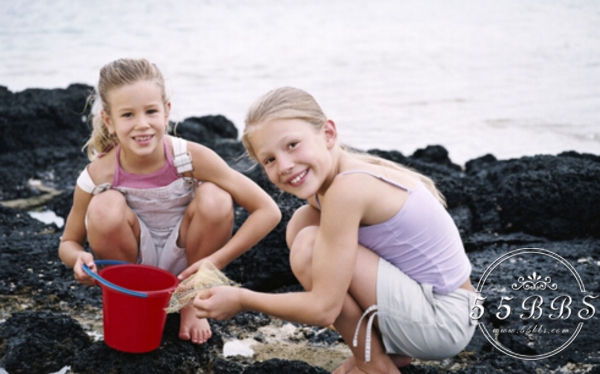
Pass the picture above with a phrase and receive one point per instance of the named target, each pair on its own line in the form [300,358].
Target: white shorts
[416,322]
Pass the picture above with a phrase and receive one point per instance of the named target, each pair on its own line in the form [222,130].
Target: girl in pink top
[140,199]
[373,240]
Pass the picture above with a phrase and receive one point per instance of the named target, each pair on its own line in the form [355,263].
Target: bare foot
[372,368]
[346,366]
[191,328]
[384,365]
[401,361]
[379,364]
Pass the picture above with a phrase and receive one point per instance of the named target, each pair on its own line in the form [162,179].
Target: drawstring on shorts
[372,308]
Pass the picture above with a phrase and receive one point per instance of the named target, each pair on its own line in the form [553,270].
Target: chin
[301,194]
[286,189]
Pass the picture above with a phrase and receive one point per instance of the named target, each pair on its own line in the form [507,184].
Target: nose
[285,165]
[142,122]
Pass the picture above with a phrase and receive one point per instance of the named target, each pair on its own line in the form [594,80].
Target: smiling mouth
[298,178]
[142,138]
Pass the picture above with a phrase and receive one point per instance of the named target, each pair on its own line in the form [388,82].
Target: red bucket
[134,310]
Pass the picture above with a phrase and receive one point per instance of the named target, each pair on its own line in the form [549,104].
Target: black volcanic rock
[172,356]
[206,129]
[40,129]
[435,154]
[37,118]
[549,196]
[40,342]
[544,201]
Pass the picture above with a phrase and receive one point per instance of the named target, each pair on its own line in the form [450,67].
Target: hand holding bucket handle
[106,283]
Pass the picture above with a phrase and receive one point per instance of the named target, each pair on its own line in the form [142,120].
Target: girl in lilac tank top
[373,242]
[140,201]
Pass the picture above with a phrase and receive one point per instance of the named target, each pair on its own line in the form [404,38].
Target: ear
[167,111]
[107,122]
[330,132]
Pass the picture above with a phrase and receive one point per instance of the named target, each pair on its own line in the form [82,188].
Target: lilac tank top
[162,177]
[421,240]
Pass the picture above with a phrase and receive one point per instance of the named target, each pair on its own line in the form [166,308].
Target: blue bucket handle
[103,281]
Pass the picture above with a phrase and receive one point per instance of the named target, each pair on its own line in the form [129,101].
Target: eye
[127,114]
[292,145]
[268,161]
[152,111]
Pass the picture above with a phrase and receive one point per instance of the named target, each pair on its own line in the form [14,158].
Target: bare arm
[264,212]
[334,258]
[70,250]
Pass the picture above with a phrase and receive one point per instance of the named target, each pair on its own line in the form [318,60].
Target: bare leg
[207,225]
[346,367]
[350,364]
[401,361]
[361,294]
[113,228]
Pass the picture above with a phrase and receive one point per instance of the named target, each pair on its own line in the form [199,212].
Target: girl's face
[296,157]
[138,117]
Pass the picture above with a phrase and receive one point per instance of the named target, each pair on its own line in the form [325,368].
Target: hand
[80,275]
[193,268]
[190,270]
[220,302]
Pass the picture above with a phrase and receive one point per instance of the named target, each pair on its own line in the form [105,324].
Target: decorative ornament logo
[533,318]
[535,282]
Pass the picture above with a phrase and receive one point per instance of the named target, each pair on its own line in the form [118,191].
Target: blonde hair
[294,103]
[114,75]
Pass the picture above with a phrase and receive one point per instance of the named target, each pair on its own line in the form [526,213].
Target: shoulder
[208,165]
[176,142]
[342,208]
[346,192]
[366,191]
[191,146]
[102,170]
[199,153]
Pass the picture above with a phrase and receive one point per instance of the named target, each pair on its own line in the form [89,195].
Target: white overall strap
[182,159]
[85,182]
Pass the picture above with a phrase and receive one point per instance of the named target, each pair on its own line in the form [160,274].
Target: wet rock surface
[41,342]
[500,206]
[171,356]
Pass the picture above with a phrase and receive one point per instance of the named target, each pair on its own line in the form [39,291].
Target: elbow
[275,215]
[328,316]
[64,256]
[61,251]
[325,321]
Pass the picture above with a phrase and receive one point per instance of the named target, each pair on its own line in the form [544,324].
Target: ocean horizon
[509,78]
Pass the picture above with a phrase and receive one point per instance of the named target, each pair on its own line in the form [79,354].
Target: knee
[107,210]
[301,249]
[303,217]
[213,203]
[291,232]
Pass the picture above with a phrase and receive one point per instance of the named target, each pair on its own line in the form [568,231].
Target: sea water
[509,77]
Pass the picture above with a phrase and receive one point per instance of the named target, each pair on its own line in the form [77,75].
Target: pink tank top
[421,240]
[163,177]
